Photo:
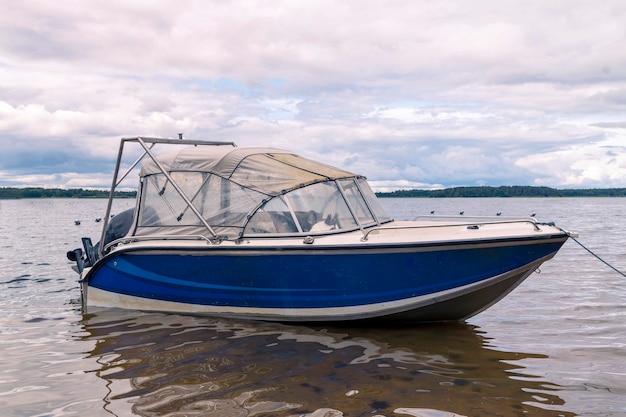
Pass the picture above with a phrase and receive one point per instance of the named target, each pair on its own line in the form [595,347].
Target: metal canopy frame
[143,142]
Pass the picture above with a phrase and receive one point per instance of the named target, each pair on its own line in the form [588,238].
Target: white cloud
[424,94]
[387,186]
[594,164]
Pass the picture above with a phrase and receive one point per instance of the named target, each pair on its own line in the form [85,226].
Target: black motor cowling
[119,226]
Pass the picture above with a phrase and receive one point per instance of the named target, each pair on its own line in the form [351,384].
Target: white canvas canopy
[249,191]
[266,170]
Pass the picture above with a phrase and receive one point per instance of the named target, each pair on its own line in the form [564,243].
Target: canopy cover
[232,187]
[266,170]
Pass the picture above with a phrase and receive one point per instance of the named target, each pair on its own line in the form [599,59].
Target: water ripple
[554,347]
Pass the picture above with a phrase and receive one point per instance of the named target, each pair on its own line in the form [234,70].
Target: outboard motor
[86,258]
[76,255]
[117,228]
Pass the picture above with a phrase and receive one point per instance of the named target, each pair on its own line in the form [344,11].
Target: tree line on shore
[11,193]
[507,191]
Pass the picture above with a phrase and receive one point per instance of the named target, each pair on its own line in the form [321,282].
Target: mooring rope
[592,253]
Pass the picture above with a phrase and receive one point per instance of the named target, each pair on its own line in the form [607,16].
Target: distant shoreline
[505,191]
[13,193]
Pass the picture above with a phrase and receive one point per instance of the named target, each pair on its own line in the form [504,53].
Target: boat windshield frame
[317,217]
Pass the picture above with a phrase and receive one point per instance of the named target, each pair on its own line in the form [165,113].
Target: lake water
[556,346]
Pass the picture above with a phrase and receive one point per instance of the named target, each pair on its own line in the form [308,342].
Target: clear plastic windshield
[372,201]
[224,205]
[233,210]
[357,202]
[317,208]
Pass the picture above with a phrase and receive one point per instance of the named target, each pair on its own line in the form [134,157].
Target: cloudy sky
[410,93]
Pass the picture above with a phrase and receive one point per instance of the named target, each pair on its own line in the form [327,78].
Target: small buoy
[432,212]
[98,219]
[76,222]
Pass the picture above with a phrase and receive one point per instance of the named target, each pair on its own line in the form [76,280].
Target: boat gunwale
[386,226]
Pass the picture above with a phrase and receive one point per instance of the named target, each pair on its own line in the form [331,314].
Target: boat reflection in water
[171,365]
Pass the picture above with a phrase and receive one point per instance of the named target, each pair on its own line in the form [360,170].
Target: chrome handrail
[511,220]
[128,239]
[440,217]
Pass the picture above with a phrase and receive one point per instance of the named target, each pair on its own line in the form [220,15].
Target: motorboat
[265,234]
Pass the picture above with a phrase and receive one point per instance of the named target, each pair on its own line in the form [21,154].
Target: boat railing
[496,219]
[481,221]
[129,239]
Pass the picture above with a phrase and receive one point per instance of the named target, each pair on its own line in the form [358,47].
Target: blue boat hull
[450,281]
